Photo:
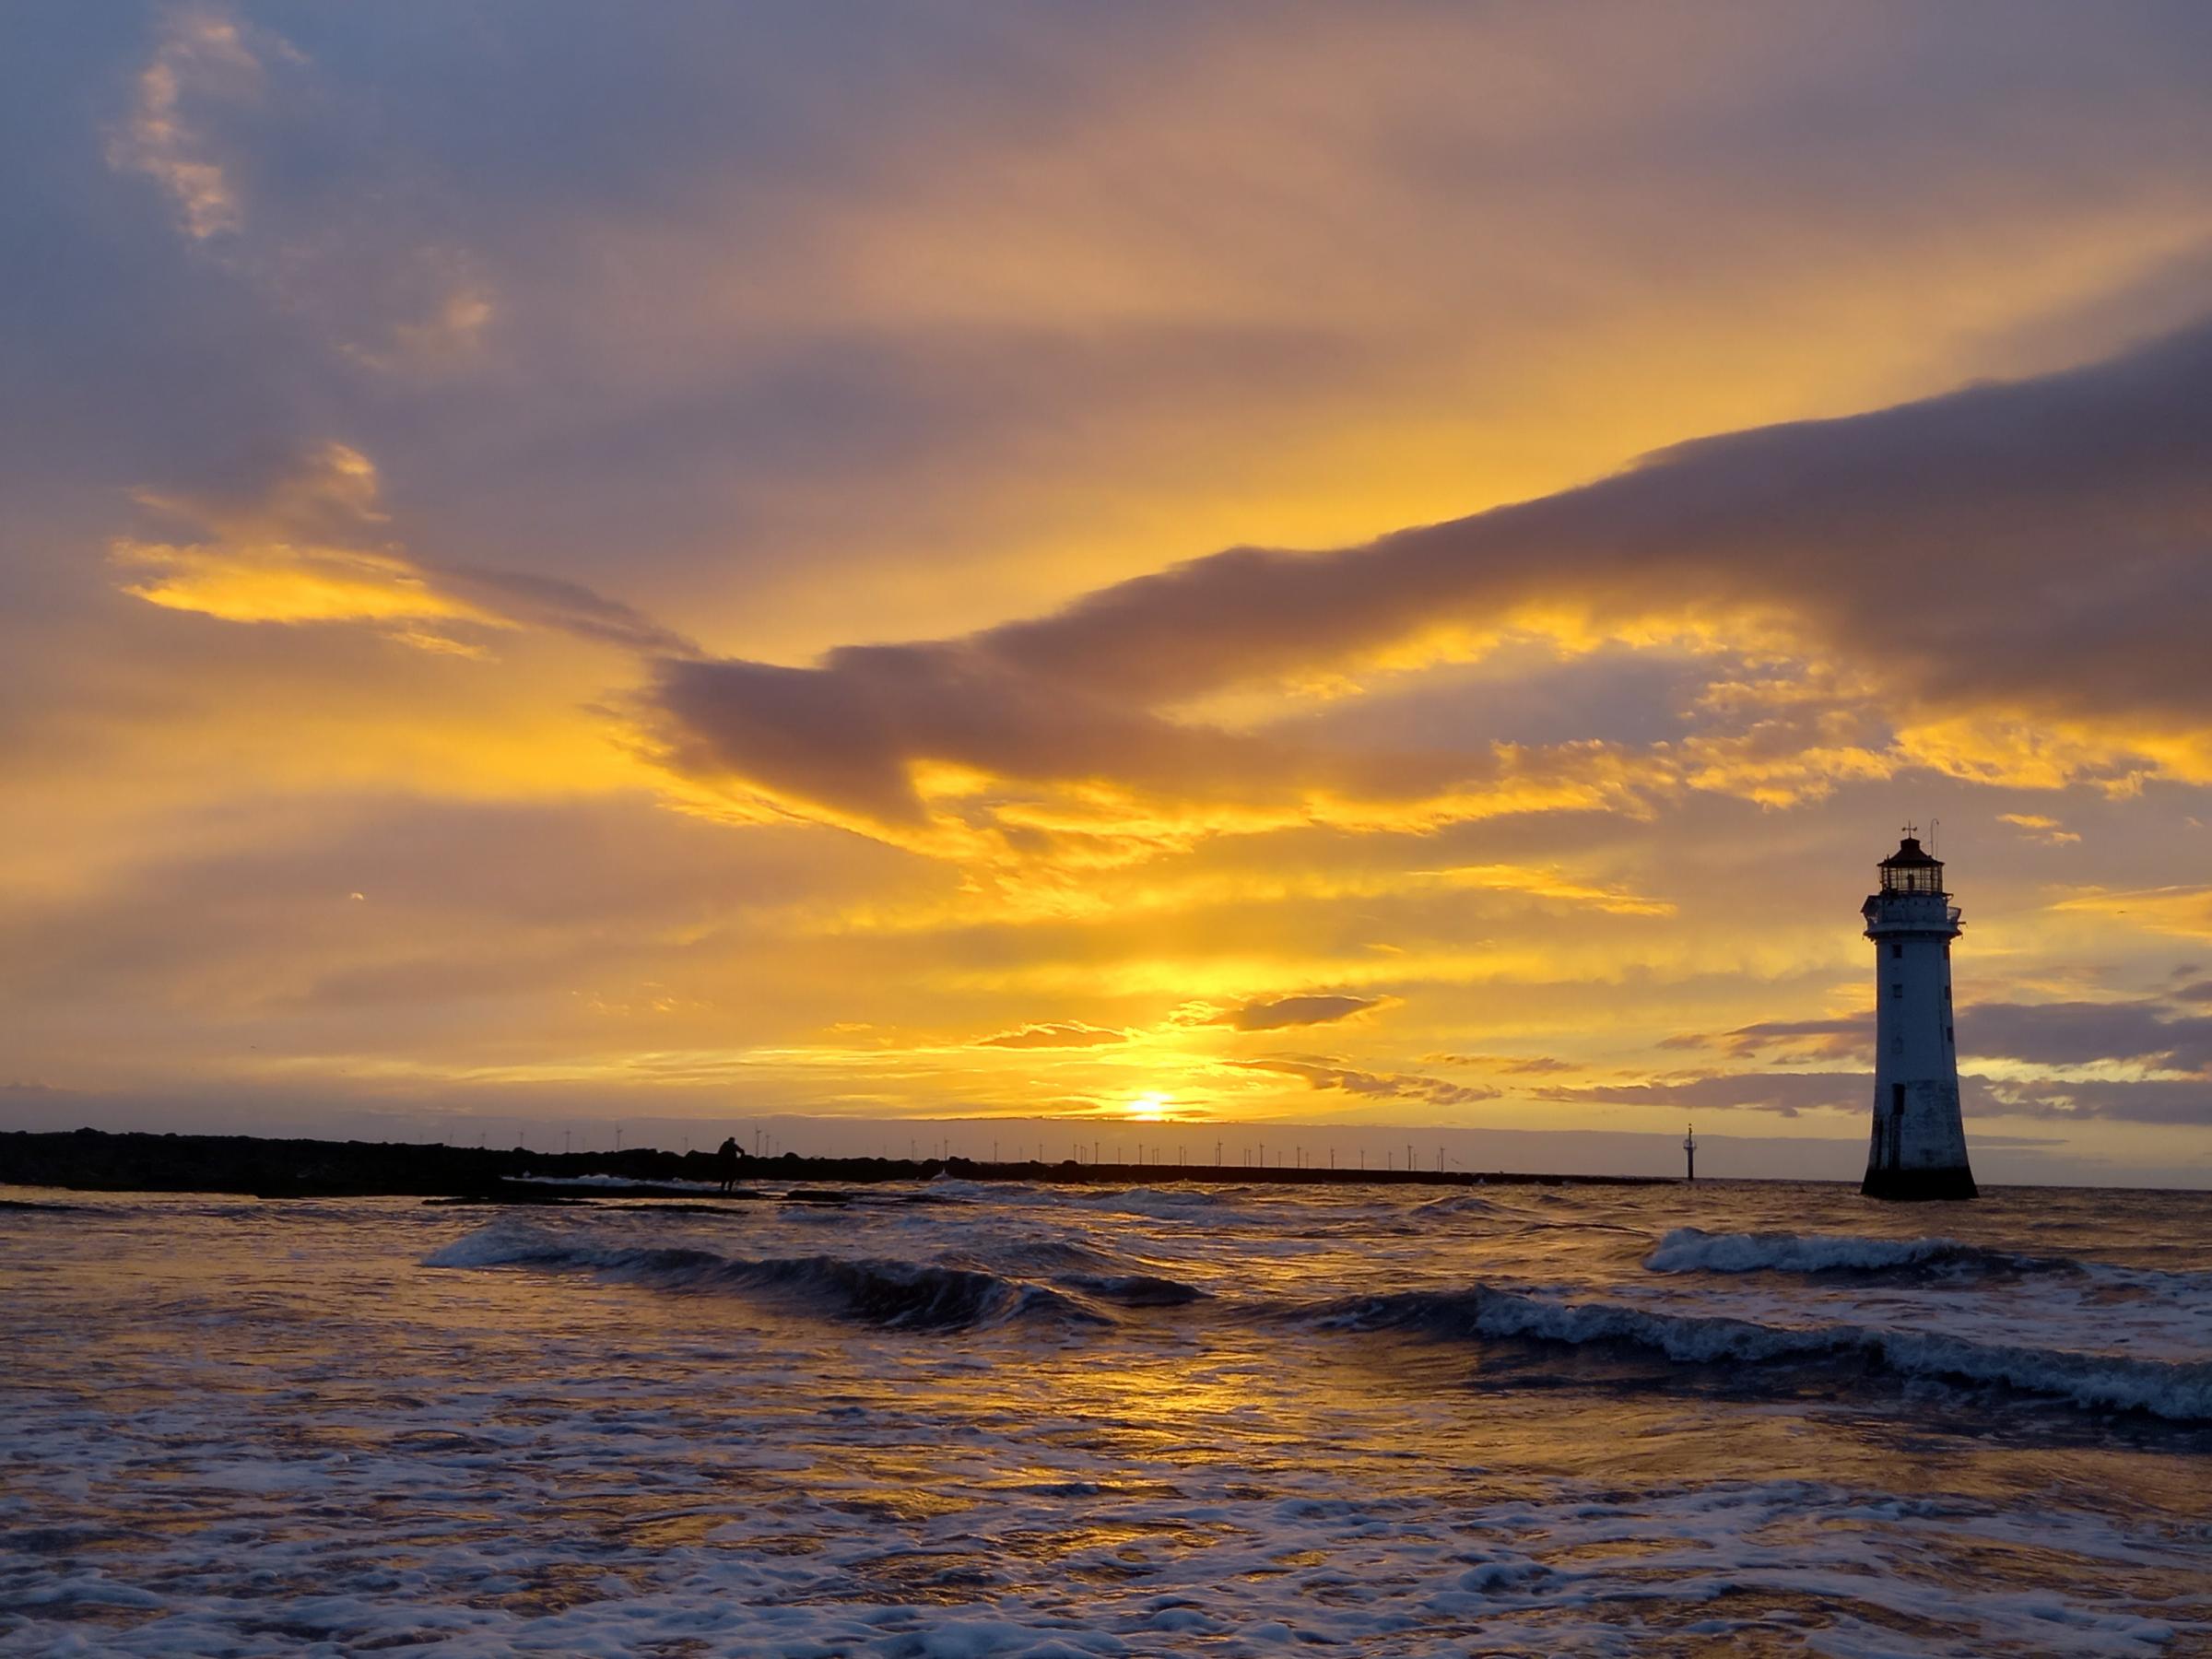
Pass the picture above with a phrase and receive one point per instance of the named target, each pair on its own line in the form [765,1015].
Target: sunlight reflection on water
[981,1425]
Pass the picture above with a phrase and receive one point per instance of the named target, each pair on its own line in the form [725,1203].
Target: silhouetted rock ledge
[95,1161]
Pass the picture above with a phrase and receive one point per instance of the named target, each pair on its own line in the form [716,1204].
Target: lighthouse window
[1896,990]
[1897,952]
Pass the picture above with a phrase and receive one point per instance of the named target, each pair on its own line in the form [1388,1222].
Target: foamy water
[985,1419]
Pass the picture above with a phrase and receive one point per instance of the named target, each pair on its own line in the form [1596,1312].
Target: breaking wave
[1134,1289]
[1052,1256]
[2179,1392]
[1692,1249]
[1459,1204]
[898,1295]
[1161,1203]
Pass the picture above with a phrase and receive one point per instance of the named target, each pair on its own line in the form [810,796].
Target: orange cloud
[1063,1034]
[2048,831]
[1273,1014]
[276,582]
[1322,1074]
[1072,725]
[2183,912]
[311,545]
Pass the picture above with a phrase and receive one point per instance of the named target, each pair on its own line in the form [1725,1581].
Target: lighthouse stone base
[1918,1149]
[1955,1183]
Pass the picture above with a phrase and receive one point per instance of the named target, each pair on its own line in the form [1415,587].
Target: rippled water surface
[974,1419]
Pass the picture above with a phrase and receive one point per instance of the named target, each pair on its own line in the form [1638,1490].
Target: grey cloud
[2081,1033]
[2039,544]
[1520,1066]
[1273,1014]
[845,735]
[2153,1100]
[285,177]
[2138,1101]
[1070,1033]
[1982,507]
[1526,695]
[568,606]
[1322,1074]
[309,511]
[2056,1033]
[1823,1038]
[1787,1093]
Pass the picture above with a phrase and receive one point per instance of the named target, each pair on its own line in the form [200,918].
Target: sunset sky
[1382,565]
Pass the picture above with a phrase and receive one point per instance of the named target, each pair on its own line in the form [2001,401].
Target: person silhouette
[725,1163]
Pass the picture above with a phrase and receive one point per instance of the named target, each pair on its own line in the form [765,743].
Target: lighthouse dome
[1911,869]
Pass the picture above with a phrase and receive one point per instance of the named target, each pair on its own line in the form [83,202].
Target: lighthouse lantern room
[1918,1149]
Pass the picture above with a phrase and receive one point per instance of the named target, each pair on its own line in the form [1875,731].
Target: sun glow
[1151,1106]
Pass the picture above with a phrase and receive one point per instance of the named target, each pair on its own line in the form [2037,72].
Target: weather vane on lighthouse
[1918,1150]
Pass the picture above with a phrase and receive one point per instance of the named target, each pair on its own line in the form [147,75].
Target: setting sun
[920,619]
[658,665]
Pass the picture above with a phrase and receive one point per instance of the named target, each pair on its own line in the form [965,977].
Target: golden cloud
[310,544]
[1072,731]
[2183,912]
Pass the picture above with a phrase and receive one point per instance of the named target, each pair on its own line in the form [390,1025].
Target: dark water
[971,1419]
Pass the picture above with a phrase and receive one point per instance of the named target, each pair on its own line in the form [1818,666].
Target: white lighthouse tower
[1919,1145]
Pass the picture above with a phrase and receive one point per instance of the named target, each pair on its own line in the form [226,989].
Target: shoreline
[133,1161]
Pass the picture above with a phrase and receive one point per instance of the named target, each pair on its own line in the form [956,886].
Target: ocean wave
[945,1188]
[1048,1255]
[1160,1204]
[2177,1390]
[1459,1204]
[1692,1249]
[901,1295]
[619,1182]
[1134,1289]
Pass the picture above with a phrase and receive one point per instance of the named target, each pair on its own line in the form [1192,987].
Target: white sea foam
[1162,1203]
[916,1296]
[1691,1250]
[1458,1205]
[1939,1262]
[587,1182]
[2181,1391]
[602,1431]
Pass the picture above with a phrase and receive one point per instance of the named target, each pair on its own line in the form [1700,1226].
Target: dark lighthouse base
[1914,1184]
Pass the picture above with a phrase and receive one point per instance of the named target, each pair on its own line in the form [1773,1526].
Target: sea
[952,1419]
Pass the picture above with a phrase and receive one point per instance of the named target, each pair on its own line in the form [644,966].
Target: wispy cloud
[1327,1074]
[2184,911]
[1274,1014]
[2039,827]
[1063,1034]
[312,544]
[215,110]
[205,59]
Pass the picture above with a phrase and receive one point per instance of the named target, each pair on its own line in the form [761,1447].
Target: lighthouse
[1918,1149]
